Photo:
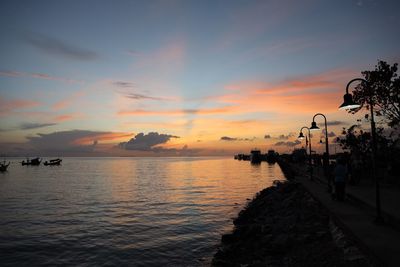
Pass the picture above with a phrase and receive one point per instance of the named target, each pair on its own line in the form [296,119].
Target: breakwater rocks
[286,168]
[284,226]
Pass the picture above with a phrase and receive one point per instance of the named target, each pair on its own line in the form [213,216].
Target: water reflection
[124,211]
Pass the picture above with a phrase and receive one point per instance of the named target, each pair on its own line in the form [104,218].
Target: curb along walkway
[358,221]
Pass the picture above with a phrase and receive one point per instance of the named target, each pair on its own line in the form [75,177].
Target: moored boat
[255,156]
[34,162]
[246,157]
[4,166]
[271,156]
[53,162]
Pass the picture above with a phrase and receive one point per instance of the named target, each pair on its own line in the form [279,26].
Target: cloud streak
[43,76]
[331,123]
[288,143]
[285,137]
[28,126]
[175,112]
[330,134]
[58,47]
[33,125]
[123,84]
[136,96]
[227,138]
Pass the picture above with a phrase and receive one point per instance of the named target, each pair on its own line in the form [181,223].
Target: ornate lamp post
[350,104]
[301,136]
[326,158]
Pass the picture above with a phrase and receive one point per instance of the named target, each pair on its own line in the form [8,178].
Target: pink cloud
[67,117]
[107,136]
[12,105]
[62,104]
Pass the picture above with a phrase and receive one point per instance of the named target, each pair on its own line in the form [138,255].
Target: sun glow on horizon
[186,78]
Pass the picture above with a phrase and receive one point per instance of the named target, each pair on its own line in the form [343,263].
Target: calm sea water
[123,211]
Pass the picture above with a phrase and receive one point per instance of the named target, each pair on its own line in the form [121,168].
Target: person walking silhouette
[340,176]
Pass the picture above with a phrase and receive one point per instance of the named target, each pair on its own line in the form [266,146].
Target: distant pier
[256,157]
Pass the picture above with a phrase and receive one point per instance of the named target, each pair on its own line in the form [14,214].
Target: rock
[352,254]
[280,240]
[228,238]
[284,226]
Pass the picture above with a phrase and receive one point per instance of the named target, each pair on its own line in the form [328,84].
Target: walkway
[356,215]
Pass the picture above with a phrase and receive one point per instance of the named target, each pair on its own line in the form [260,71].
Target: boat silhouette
[34,162]
[52,162]
[255,156]
[4,166]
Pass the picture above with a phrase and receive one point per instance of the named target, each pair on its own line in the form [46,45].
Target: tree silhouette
[383,90]
[358,141]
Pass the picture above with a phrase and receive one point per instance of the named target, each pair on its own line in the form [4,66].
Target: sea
[124,211]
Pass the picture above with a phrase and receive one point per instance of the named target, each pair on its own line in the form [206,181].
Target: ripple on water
[123,211]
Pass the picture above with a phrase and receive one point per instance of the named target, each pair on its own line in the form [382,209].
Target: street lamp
[326,158]
[301,136]
[350,104]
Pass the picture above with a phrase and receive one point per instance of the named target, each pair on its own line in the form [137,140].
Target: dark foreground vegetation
[284,226]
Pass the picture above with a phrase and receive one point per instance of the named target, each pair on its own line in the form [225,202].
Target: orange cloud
[295,95]
[329,80]
[67,117]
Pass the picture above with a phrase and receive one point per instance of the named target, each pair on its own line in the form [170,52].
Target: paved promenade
[356,216]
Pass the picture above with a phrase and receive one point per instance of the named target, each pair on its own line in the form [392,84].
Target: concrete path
[382,241]
[365,194]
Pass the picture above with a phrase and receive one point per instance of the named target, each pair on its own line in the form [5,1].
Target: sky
[178,78]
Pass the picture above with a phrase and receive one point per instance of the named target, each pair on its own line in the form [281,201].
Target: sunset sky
[167,77]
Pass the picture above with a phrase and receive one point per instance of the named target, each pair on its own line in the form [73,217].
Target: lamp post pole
[326,158]
[349,104]
[309,148]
